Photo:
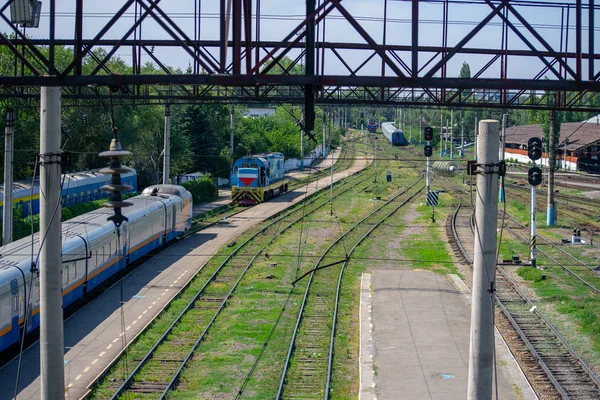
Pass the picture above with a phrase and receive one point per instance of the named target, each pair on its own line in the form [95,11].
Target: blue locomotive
[258,178]
[395,136]
[78,187]
[372,126]
[91,254]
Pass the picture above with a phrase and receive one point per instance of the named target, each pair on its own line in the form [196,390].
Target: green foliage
[202,189]
[530,274]
[465,70]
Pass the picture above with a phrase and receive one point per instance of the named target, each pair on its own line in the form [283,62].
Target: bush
[202,189]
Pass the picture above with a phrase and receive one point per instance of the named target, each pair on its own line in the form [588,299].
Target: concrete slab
[94,335]
[420,340]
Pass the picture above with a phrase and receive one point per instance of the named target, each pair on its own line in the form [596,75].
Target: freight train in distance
[91,254]
[77,187]
[258,178]
[395,136]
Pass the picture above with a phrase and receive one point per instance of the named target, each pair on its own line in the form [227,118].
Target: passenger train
[91,254]
[395,136]
[258,178]
[77,187]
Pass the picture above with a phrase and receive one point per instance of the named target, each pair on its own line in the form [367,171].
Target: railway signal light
[428,133]
[534,148]
[534,176]
[428,150]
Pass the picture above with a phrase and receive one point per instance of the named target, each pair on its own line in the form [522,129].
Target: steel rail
[531,347]
[308,285]
[338,290]
[149,354]
[554,260]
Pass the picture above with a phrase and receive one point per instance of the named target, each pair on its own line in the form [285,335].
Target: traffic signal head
[534,176]
[428,133]
[534,148]
[428,150]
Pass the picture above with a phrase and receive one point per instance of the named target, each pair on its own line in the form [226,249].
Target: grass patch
[530,274]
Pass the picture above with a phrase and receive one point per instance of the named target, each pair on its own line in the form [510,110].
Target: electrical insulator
[428,133]
[445,168]
[116,188]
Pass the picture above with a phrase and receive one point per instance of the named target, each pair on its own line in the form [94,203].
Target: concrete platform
[94,335]
[415,329]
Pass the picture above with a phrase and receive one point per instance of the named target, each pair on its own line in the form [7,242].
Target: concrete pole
[231,128]
[441,133]
[481,356]
[462,134]
[324,148]
[420,127]
[167,151]
[550,214]
[7,210]
[501,152]
[565,157]
[476,138]
[447,137]
[51,313]
[410,137]
[452,134]
[533,237]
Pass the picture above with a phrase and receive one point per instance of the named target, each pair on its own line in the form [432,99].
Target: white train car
[91,254]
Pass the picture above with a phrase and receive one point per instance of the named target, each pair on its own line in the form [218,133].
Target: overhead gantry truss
[521,53]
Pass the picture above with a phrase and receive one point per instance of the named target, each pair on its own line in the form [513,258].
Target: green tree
[465,71]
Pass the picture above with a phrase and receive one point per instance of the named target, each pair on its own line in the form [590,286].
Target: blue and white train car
[78,187]
[258,178]
[91,254]
[395,136]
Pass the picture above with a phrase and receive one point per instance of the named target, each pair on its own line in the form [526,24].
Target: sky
[280,16]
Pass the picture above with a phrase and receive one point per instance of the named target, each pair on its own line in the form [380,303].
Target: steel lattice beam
[237,61]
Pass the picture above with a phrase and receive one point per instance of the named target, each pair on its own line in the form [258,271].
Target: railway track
[548,353]
[584,273]
[157,372]
[308,365]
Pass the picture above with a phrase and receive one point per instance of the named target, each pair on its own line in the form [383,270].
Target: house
[578,146]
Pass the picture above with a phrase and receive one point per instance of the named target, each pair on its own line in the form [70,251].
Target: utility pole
[462,133]
[447,137]
[441,133]
[476,133]
[452,134]
[324,148]
[550,214]
[420,127]
[167,151]
[533,236]
[231,129]
[7,210]
[501,152]
[50,268]
[411,113]
[481,356]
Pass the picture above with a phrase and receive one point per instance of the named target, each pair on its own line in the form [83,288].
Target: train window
[37,291]
[73,271]
[95,194]
[68,199]
[109,249]
[74,198]
[62,201]
[89,197]
[235,170]
[97,261]
[5,312]
[65,274]
[82,194]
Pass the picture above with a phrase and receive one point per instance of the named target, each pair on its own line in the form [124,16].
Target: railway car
[91,254]
[372,126]
[395,136]
[258,178]
[78,187]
